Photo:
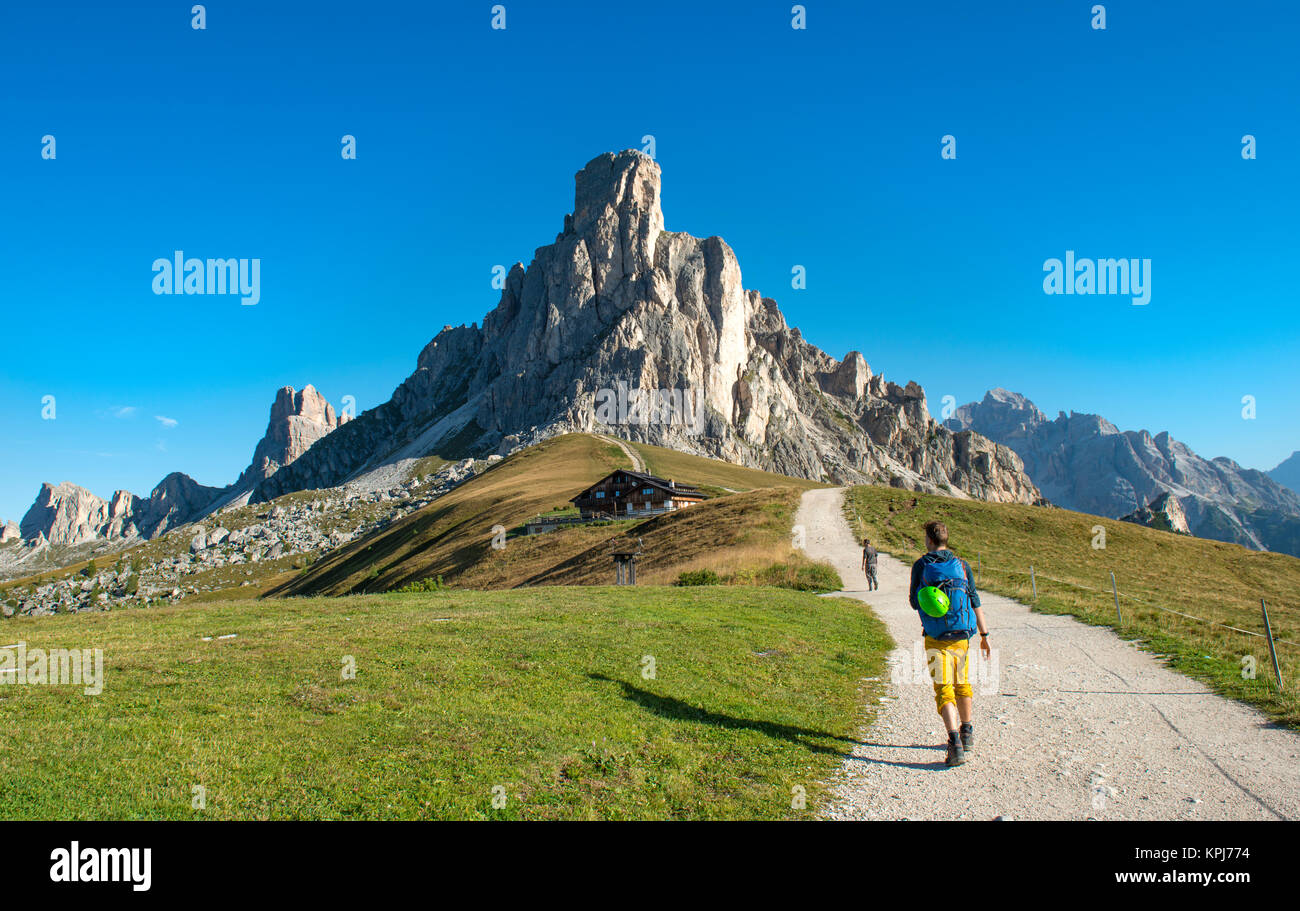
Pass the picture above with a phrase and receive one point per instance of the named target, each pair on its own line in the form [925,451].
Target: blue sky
[817,147]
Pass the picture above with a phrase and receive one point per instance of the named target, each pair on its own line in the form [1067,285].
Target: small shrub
[423,585]
[699,577]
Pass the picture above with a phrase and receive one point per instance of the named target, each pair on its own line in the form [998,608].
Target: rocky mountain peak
[1011,413]
[64,512]
[1013,403]
[616,306]
[619,185]
[298,420]
[620,306]
[308,404]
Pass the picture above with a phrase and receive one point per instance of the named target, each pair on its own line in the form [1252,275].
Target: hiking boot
[956,755]
[967,735]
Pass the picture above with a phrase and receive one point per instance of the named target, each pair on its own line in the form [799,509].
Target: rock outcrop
[1084,462]
[9,531]
[623,326]
[298,420]
[66,514]
[1164,513]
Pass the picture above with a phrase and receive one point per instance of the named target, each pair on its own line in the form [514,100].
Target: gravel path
[637,464]
[1072,721]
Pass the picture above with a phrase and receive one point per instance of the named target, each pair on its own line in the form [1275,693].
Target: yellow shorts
[949,662]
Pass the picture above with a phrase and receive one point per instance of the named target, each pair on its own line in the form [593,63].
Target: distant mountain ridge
[1084,462]
[68,514]
[1288,472]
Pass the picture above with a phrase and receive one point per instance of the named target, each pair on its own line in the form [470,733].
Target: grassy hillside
[452,536]
[1153,569]
[539,693]
[712,475]
[726,534]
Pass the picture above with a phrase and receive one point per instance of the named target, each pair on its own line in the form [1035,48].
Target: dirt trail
[637,464]
[1075,723]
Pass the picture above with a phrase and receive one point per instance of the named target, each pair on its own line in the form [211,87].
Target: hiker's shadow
[668,707]
[923,766]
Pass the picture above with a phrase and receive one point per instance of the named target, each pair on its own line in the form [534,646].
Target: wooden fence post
[1033,581]
[1272,649]
[1115,591]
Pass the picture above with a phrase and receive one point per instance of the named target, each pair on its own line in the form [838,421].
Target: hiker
[943,593]
[869,554]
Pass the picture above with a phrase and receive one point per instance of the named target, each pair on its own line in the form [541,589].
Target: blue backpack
[950,577]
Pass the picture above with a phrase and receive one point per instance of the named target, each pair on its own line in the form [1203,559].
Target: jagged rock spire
[618,302]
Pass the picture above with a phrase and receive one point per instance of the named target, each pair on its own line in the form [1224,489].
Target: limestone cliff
[623,326]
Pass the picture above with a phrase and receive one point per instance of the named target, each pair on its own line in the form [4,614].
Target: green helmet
[933,601]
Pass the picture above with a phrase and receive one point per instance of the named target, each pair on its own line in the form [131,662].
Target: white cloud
[167,422]
[122,411]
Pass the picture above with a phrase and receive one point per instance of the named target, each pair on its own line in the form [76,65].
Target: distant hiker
[869,554]
[943,593]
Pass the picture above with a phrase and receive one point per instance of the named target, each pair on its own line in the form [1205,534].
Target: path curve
[637,464]
[1081,724]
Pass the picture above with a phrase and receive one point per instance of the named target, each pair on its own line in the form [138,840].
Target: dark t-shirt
[869,554]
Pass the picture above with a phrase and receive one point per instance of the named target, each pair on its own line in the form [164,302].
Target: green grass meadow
[546,695]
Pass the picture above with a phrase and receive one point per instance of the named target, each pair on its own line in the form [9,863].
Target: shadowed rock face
[618,302]
[1288,473]
[1084,462]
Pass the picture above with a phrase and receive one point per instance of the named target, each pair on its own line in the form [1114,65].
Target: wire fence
[1033,576]
[1117,593]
